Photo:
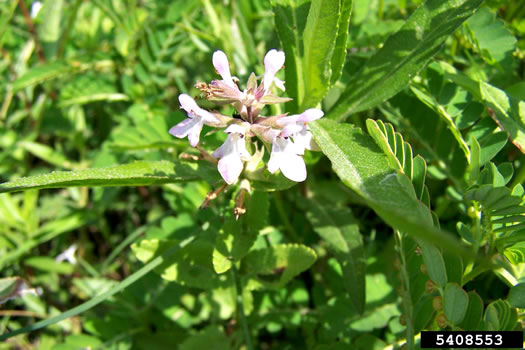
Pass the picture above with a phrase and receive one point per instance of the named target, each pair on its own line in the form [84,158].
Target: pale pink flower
[273,62]
[192,125]
[232,153]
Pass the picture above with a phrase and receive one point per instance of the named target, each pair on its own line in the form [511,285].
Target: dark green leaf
[362,166]
[141,173]
[403,55]
[339,229]
[455,303]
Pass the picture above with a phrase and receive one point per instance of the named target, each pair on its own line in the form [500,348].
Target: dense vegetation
[115,234]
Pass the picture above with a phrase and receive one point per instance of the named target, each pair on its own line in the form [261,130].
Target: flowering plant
[289,136]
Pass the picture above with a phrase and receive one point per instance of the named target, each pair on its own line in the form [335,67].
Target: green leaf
[48,154]
[491,38]
[339,55]
[238,235]
[319,41]
[191,267]
[516,296]
[277,265]
[499,316]
[435,264]
[454,267]
[48,264]
[474,312]
[103,296]
[403,55]
[140,173]
[339,229]
[509,113]
[290,22]
[362,166]
[49,29]
[455,303]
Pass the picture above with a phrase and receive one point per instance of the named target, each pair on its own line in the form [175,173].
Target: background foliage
[411,217]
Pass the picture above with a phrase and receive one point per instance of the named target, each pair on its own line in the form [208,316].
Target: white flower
[68,254]
[222,66]
[286,156]
[302,137]
[232,153]
[273,62]
[192,125]
[35,8]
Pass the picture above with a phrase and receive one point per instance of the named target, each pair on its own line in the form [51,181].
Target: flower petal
[221,64]
[182,129]
[310,115]
[194,134]
[292,166]
[273,62]
[230,167]
[192,109]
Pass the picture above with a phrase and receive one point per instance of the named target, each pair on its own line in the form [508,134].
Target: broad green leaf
[290,22]
[362,166]
[516,296]
[339,229]
[140,173]
[381,305]
[277,265]
[192,266]
[491,38]
[238,235]
[509,113]
[403,55]
[474,312]
[319,40]
[455,303]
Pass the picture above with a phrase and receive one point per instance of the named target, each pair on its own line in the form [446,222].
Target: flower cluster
[288,136]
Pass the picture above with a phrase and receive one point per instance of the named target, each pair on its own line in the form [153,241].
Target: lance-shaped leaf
[319,41]
[290,22]
[141,173]
[403,55]
[362,166]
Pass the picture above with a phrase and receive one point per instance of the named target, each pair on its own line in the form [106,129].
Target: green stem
[407,302]
[240,308]
[284,217]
